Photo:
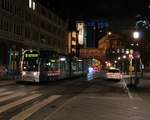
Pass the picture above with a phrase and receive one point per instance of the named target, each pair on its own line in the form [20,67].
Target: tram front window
[30,65]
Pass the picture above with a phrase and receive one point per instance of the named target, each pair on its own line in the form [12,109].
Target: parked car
[114,74]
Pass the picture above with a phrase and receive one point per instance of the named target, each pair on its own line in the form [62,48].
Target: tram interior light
[53,61]
[48,64]
[62,59]
[79,60]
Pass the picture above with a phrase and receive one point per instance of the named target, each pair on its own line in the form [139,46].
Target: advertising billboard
[80,28]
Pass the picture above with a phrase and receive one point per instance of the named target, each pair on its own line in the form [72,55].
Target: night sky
[93,9]
[96,9]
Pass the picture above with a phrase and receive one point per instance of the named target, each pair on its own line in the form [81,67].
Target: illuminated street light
[124,56]
[115,61]
[136,35]
[62,59]
[119,58]
[137,44]
[132,44]
[127,51]
[109,33]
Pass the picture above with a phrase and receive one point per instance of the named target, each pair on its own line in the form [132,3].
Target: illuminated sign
[53,60]
[90,53]
[31,55]
[80,28]
[32,4]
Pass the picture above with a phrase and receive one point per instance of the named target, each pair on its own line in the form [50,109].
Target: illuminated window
[73,43]
[30,3]
[33,5]
[73,50]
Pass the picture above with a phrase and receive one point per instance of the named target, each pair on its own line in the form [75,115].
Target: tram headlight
[35,73]
[91,70]
[23,73]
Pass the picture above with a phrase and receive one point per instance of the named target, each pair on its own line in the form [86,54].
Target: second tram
[38,66]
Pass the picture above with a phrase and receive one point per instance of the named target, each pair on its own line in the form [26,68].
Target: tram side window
[73,66]
[48,65]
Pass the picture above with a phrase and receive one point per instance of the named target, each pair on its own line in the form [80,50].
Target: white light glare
[119,58]
[35,73]
[127,51]
[33,5]
[136,35]
[23,73]
[79,60]
[109,33]
[124,56]
[62,59]
[25,67]
[91,70]
[30,3]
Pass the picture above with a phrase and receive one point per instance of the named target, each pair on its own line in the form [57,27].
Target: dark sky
[91,9]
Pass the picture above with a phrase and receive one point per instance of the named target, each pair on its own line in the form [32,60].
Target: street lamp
[124,63]
[119,58]
[124,56]
[109,33]
[136,35]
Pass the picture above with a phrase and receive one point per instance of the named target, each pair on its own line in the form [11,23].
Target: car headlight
[23,73]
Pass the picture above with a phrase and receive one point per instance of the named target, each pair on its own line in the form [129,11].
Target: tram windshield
[30,61]
[30,65]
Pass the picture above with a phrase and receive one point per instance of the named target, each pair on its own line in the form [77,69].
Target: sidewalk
[102,108]
[144,81]
[7,77]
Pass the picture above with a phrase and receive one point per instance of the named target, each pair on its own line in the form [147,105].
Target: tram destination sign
[31,55]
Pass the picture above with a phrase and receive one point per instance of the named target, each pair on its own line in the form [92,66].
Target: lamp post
[124,63]
[136,36]
[130,65]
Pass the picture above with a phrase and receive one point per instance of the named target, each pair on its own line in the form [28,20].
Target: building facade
[72,43]
[95,30]
[25,24]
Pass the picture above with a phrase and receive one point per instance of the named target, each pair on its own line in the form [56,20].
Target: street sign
[130,56]
[131,51]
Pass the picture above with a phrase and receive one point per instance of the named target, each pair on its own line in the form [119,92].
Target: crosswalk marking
[12,96]
[2,89]
[25,114]
[6,93]
[62,106]
[7,83]
[18,102]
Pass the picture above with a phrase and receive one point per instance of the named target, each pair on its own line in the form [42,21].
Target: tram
[38,66]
